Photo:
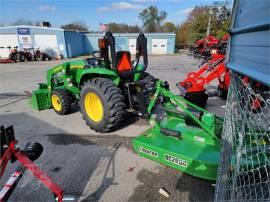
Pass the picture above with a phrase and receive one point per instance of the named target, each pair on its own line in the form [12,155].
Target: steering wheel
[95,54]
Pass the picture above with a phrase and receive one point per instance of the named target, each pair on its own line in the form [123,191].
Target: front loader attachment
[40,98]
[182,136]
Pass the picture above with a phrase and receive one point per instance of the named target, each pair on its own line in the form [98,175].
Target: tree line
[154,20]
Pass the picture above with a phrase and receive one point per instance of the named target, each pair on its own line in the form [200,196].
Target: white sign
[25,41]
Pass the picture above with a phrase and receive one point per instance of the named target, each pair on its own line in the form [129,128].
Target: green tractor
[105,86]
[182,135]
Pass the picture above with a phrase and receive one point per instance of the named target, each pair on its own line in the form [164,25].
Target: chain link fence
[244,171]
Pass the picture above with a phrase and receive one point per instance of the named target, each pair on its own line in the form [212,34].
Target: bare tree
[76,26]
[123,28]
[22,21]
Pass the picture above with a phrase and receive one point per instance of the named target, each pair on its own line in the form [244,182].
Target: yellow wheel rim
[56,102]
[93,107]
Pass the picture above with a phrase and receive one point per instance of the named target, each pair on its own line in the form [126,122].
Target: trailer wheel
[61,101]
[102,104]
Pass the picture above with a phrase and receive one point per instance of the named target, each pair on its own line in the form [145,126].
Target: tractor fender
[97,72]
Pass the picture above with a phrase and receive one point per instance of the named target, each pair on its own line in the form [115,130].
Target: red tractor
[14,54]
[19,56]
[27,54]
[193,86]
[41,55]
[203,47]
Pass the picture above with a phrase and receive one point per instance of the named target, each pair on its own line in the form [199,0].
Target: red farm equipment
[10,151]
[204,47]
[193,86]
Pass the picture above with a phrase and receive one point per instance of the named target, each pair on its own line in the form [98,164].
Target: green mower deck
[194,157]
[180,139]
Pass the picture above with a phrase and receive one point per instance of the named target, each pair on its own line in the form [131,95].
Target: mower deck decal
[148,152]
[175,160]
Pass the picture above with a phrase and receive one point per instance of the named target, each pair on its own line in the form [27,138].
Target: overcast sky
[92,12]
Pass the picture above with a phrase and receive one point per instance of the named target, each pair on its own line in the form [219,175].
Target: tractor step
[191,154]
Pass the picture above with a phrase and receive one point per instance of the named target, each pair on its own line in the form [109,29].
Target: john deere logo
[148,152]
[175,160]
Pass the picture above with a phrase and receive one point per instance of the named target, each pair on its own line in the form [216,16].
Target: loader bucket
[198,98]
[40,98]
[181,145]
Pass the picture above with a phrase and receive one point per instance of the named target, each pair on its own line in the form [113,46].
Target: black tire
[113,106]
[222,93]
[65,101]
[45,57]
[21,58]
[149,80]
[30,58]
[13,57]
[147,77]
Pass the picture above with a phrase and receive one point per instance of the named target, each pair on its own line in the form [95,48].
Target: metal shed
[50,40]
[249,49]
[74,43]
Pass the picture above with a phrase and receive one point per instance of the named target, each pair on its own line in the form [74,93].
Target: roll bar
[141,51]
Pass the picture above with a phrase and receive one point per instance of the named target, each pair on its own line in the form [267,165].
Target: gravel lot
[91,165]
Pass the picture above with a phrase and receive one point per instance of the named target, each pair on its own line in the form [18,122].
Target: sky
[92,12]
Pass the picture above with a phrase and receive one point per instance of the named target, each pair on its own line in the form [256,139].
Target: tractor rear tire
[61,101]
[102,104]
[148,79]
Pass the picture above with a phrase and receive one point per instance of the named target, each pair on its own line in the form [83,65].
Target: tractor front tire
[102,104]
[14,57]
[61,101]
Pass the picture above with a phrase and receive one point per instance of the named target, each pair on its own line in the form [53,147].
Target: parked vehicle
[14,54]
[27,53]
[41,55]
[19,56]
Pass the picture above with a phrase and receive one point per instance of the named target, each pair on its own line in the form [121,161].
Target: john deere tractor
[182,135]
[106,86]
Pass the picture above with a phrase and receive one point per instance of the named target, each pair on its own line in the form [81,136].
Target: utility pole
[209,22]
